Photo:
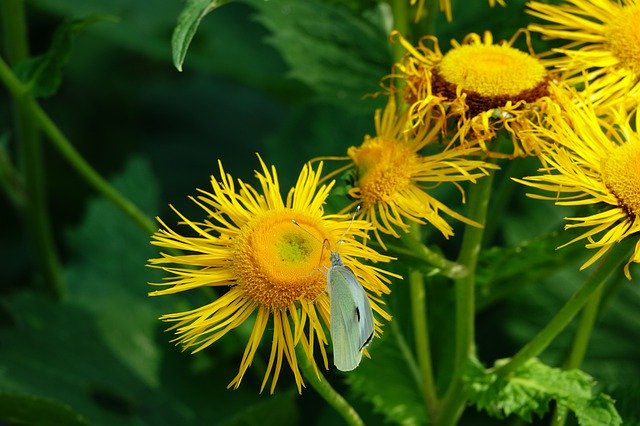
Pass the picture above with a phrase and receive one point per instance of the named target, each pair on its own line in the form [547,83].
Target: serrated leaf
[387,381]
[29,410]
[530,389]
[187,26]
[340,55]
[44,73]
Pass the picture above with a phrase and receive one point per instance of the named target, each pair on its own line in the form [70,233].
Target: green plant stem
[407,353]
[29,149]
[418,250]
[454,401]
[401,19]
[581,341]
[325,390]
[423,347]
[502,198]
[617,255]
[66,149]
[585,328]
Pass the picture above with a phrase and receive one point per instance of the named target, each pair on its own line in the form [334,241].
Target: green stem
[502,198]
[401,19]
[66,149]
[325,390]
[581,341]
[407,353]
[421,335]
[31,162]
[617,255]
[417,250]
[454,401]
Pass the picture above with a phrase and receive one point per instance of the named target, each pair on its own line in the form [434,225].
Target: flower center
[278,262]
[621,175]
[623,37]
[384,168]
[492,70]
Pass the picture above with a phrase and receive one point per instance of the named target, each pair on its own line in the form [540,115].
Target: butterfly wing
[351,318]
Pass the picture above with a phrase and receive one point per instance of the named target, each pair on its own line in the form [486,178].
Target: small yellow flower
[590,162]
[393,178]
[478,88]
[603,43]
[265,267]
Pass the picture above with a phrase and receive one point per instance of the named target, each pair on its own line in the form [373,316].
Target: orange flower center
[623,37]
[621,175]
[278,262]
[384,168]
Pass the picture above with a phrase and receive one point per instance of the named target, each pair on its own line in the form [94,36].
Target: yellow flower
[590,162]
[392,177]
[477,88]
[603,42]
[263,267]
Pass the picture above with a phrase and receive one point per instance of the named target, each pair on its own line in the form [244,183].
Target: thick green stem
[581,341]
[423,347]
[612,262]
[325,390]
[479,195]
[29,149]
[64,146]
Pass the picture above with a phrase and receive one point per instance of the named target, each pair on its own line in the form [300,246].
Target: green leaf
[30,410]
[531,388]
[44,73]
[340,55]
[274,411]
[388,381]
[188,22]
[503,271]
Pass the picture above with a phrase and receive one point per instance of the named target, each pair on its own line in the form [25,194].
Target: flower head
[590,162]
[393,178]
[480,86]
[266,267]
[603,43]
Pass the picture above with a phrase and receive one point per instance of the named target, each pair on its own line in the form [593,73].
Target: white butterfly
[351,315]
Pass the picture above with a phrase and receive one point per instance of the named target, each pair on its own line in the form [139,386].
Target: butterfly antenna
[325,243]
[353,218]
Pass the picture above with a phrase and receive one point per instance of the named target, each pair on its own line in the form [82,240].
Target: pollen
[623,37]
[278,262]
[621,174]
[492,70]
[384,168]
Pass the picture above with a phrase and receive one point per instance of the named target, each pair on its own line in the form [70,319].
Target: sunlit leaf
[529,390]
[340,55]
[188,23]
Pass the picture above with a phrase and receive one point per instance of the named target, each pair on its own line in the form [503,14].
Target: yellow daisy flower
[263,267]
[590,162]
[603,43]
[478,88]
[392,178]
